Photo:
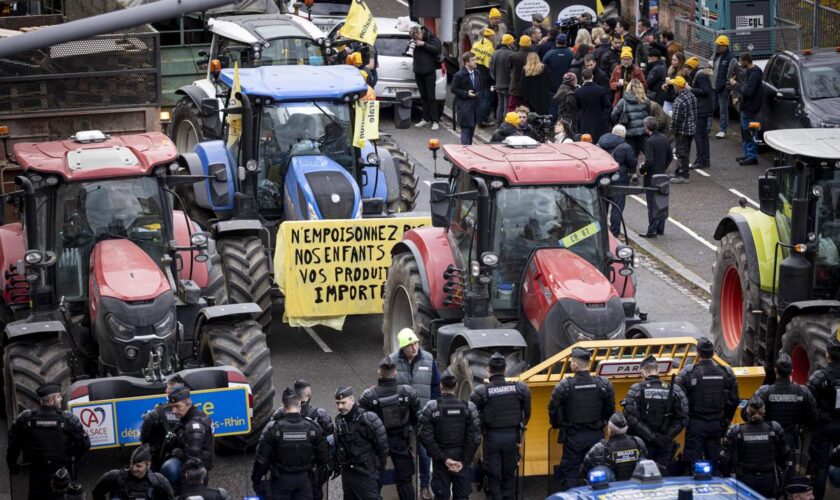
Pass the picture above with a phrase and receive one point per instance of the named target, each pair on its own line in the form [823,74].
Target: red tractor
[109,291]
[519,259]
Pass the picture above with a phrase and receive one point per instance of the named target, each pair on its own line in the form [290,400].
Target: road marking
[318,340]
[402,2]
[681,226]
[702,172]
[742,195]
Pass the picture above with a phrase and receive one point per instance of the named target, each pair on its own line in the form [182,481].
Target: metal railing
[801,12]
[699,40]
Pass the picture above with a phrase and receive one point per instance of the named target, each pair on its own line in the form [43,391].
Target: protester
[509,127]
[536,36]
[427,50]
[701,87]
[614,143]
[536,84]
[598,76]
[720,64]
[603,54]
[658,156]
[674,70]
[500,72]
[749,88]
[548,42]
[655,74]
[667,38]
[483,50]
[558,61]
[623,73]
[467,85]
[631,112]
[517,64]
[683,126]
[494,19]
[593,107]
[565,100]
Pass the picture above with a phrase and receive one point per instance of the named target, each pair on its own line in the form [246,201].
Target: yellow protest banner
[234,120]
[328,269]
[360,24]
[367,123]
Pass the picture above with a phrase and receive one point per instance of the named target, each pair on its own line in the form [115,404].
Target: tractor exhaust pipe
[105,23]
[245,203]
[30,219]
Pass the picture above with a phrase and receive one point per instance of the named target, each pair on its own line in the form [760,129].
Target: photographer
[426,50]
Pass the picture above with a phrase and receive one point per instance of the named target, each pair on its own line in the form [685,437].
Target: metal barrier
[801,12]
[699,40]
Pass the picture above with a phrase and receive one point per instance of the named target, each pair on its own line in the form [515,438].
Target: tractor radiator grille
[326,186]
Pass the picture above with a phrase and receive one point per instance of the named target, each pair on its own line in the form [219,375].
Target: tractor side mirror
[661,182]
[439,196]
[768,194]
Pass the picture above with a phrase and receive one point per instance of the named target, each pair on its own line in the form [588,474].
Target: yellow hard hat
[722,40]
[488,32]
[507,39]
[525,41]
[678,82]
[512,118]
[692,62]
[407,337]
[494,14]
[626,52]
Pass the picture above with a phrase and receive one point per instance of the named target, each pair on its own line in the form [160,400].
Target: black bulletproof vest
[623,454]
[48,437]
[294,449]
[137,489]
[706,390]
[451,423]
[353,447]
[756,448]
[829,392]
[392,407]
[584,405]
[503,408]
[784,402]
[653,407]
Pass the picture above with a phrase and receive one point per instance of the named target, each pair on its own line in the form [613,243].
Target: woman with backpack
[631,111]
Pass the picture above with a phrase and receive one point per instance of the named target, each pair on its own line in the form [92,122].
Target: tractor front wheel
[28,365]
[806,340]
[248,276]
[243,346]
[471,367]
[734,298]
[185,129]
[406,305]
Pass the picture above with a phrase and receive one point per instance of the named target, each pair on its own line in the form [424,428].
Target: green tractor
[776,285]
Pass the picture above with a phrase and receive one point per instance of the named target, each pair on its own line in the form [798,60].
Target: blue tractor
[294,160]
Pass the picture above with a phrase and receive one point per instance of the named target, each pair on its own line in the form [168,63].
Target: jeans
[683,145]
[501,107]
[425,465]
[747,140]
[655,226]
[467,135]
[426,87]
[701,140]
[171,470]
[721,101]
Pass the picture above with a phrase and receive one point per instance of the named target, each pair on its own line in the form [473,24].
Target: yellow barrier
[542,378]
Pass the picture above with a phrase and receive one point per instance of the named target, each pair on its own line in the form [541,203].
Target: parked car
[802,90]
[324,14]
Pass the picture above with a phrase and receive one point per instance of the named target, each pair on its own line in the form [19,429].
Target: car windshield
[89,212]
[822,82]
[391,45]
[543,216]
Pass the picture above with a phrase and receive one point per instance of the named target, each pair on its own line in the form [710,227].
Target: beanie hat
[678,82]
[507,39]
[525,41]
[620,130]
[722,40]
[569,78]
[512,118]
[692,62]
[494,14]
[488,32]
[626,52]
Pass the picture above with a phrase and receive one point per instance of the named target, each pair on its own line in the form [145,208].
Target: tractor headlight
[198,239]
[33,257]
[165,326]
[373,159]
[576,334]
[624,253]
[120,329]
[489,259]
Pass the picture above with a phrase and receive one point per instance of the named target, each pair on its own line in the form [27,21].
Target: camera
[409,50]
[542,125]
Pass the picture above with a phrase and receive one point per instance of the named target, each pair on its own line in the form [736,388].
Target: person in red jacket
[624,73]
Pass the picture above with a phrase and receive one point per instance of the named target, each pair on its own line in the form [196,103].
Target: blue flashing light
[598,478]
[702,470]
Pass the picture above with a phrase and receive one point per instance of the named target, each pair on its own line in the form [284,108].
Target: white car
[325,14]
[395,72]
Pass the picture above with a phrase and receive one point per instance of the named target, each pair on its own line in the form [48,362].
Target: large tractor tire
[243,346]
[470,367]
[28,365]
[407,177]
[406,305]
[215,288]
[806,339]
[734,298]
[185,127]
[247,273]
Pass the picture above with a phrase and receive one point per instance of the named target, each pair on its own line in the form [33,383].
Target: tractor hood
[319,188]
[566,299]
[125,272]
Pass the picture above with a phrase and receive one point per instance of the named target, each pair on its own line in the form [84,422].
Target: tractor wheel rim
[401,315]
[186,137]
[801,364]
[731,308]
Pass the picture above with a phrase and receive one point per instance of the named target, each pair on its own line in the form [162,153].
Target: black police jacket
[46,435]
[120,483]
[361,441]
[502,404]
[438,423]
[656,407]
[197,490]
[588,400]
[396,405]
[157,424]
[291,444]
[194,437]
[311,413]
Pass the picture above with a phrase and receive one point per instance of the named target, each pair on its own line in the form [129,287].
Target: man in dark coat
[701,86]
[517,63]
[466,85]
[655,75]
[658,156]
[598,75]
[500,70]
[565,100]
[602,50]
[622,152]
[593,107]
[427,50]
[720,68]
[557,61]
[750,89]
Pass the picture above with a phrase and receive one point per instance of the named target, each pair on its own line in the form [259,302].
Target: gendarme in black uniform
[193,478]
[49,440]
[824,384]
[397,406]
[620,452]
[193,438]
[126,485]
[657,412]
[361,447]
[580,406]
[505,409]
[712,392]
[158,424]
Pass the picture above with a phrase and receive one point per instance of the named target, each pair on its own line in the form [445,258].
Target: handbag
[624,118]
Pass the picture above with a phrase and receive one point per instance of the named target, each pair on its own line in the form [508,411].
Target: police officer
[289,448]
[193,480]
[451,431]
[397,406]
[418,368]
[580,406]
[799,488]
[756,451]
[361,447]
[619,451]
[64,488]
[657,412]
[712,392]
[159,423]
[824,384]
[49,439]
[505,409]
[788,403]
[136,481]
[193,436]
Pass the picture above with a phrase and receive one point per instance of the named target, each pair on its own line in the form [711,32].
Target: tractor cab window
[89,212]
[827,229]
[301,128]
[280,52]
[787,189]
[545,216]
[463,217]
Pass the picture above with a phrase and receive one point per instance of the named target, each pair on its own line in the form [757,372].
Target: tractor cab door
[827,229]
[463,217]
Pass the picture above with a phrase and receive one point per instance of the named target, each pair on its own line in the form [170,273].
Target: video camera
[571,25]
[542,125]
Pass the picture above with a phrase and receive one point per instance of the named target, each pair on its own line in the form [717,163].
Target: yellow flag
[367,123]
[234,120]
[360,24]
